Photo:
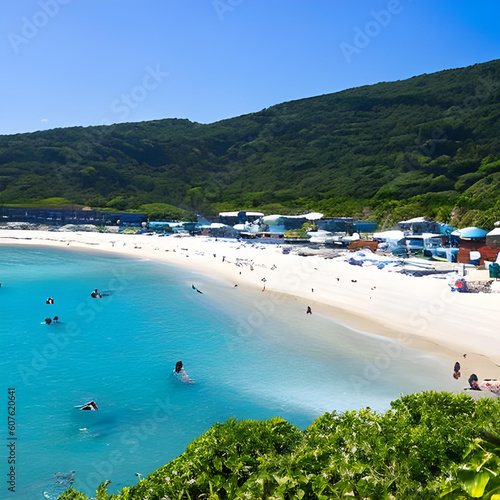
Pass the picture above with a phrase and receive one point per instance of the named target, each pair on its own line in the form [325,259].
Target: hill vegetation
[424,146]
[426,446]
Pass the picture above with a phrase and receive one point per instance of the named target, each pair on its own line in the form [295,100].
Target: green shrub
[426,445]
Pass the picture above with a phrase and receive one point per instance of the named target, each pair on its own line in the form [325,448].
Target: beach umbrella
[470,233]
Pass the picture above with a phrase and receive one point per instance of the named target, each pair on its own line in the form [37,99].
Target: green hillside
[425,146]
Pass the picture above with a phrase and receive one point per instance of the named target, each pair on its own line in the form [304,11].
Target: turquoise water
[251,355]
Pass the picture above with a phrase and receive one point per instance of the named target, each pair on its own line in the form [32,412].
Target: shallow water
[251,355]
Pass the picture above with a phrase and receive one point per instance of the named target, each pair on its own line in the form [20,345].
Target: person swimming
[50,300]
[90,406]
[181,374]
[95,294]
[47,321]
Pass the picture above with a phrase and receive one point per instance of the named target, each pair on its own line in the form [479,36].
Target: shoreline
[420,313]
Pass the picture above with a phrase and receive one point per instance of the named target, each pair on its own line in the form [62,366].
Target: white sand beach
[421,312]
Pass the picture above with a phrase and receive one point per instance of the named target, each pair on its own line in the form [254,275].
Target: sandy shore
[422,313]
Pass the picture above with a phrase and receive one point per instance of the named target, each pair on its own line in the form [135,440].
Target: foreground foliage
[426,446]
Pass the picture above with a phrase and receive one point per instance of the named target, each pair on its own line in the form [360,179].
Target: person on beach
[491,385]
[456,371]
[309,310]
[50,300]
[181,374]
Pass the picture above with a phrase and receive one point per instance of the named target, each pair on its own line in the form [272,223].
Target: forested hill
[425,146]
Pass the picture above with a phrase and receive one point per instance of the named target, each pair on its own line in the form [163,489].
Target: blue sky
[88,62]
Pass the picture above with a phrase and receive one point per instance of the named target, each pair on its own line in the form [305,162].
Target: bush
[409,452]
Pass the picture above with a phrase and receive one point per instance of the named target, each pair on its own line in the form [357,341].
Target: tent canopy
[470,232]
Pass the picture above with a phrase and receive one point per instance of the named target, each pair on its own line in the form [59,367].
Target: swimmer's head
[178,366]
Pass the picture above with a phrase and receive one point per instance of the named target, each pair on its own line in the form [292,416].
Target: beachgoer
[95,294]
[492,385]
[48,321]
[50,300]
[181,374]
[56,319]
[90,406]
[456,371]
[309,310]
[473,382]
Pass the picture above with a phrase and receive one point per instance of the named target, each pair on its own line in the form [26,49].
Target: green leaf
[474,483]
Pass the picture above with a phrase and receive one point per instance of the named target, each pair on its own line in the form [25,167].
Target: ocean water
[251,355]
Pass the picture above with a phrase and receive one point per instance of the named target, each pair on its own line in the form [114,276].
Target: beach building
[129,221]
[264,236]
[218,230]
[173,227]
[493,238]
[419,225]
[337,224]
[392,241]
[425,241]
[281,223]
[64,216]
[471,239]
[365,227]
[241,217]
